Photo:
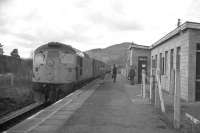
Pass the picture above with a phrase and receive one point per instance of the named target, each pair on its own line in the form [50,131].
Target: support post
[157,101]
[177,100]
[150,89]
[144,83]
[160,92]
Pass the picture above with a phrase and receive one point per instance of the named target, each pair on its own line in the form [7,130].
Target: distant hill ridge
[114,54]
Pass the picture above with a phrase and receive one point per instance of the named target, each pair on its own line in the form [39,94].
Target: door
[198,76]
[142,64]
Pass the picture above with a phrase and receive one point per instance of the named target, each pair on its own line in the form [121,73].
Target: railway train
[58,67]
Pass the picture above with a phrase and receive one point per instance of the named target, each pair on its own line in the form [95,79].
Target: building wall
[182,41]
[140,52]
[194,39]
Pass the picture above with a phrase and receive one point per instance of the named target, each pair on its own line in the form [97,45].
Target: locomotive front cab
[54,70]
[54,63]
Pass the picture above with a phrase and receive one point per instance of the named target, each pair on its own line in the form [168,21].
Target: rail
[14,114]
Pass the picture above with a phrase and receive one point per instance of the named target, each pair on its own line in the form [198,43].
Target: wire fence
[166,98]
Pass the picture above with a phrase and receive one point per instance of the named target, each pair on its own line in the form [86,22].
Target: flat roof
[138,46]
[184,26]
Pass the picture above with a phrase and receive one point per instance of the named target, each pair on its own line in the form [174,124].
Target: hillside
[115,54]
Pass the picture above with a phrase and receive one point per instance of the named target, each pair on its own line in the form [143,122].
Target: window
[197,61]
[39,58]
[178,57]
[66,58]
[153,62]
[171,59]
[161,64]
[156,61]
[198,46]
[166,61]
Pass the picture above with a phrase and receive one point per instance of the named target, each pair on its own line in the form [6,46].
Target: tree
[14,53]
[1,49]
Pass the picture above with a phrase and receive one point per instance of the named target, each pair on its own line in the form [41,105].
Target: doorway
[197,93]
[142,64]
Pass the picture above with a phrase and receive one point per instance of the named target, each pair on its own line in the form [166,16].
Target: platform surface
[104,107]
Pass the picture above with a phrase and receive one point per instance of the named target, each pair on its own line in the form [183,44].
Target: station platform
[99,107]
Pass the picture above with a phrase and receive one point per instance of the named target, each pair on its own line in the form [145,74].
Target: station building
[179,51]
[140,56]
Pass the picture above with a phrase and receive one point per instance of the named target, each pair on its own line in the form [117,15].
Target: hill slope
[115,54]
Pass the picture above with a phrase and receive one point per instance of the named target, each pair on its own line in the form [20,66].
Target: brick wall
[180,40]
[194,39]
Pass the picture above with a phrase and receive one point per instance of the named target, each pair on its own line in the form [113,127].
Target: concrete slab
[115,108]
[106,108]
[50,119]
[23,126]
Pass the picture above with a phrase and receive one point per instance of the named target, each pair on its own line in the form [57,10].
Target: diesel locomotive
[58,67]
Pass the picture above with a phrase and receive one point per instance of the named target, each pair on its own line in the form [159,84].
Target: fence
[170,106]
[10,80]
[156,94]
[7,79]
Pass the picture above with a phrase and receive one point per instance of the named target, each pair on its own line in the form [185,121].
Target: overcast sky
[87,24]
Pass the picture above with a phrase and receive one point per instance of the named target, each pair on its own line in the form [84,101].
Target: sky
[88,24]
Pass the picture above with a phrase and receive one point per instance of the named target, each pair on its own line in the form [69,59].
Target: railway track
[15,117]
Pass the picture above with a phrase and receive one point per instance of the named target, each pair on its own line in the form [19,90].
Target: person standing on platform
[131,75]
[114,73]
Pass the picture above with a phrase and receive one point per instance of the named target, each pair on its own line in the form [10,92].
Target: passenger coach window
[81,66]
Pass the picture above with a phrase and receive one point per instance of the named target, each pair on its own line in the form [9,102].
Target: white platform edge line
[43,120]
[35,115]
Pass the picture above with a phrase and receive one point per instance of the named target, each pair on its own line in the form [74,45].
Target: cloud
[87,24]
[115,23]
[117,6]
[82,3]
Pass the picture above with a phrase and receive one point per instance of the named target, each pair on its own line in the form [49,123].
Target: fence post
[177,100]
[160,91]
